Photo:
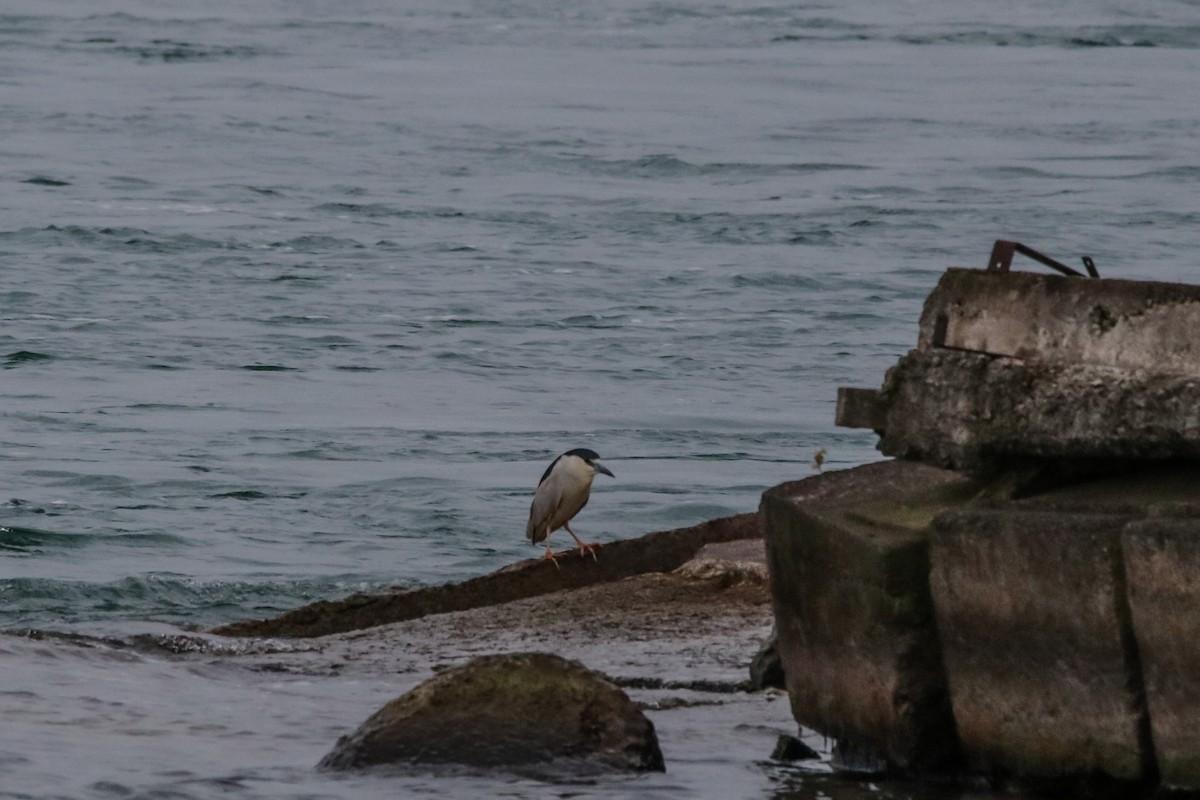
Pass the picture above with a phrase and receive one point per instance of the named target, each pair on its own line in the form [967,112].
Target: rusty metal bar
[1002,256]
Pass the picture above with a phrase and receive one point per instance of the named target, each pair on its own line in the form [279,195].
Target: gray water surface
[299,299]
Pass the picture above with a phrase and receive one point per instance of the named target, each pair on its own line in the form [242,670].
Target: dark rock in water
[513,710]
[766,668]
[789,748]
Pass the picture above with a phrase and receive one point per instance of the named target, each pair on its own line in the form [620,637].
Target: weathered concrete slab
[1069,640]
[662,551]
[1033,316]
[1162,560]
[1013,366]
[848,558]
[979,413]
[1038,643]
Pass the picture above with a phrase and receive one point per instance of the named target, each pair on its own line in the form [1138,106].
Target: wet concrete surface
[661,629]
[658,552]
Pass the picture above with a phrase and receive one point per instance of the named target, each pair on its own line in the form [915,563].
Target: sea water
[300,298]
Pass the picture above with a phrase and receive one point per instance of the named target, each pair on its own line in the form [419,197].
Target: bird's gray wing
[558,498]
[542,510]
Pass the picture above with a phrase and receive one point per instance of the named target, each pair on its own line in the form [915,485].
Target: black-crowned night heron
[561,494]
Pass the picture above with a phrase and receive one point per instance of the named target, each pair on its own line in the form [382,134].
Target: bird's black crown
[581,452]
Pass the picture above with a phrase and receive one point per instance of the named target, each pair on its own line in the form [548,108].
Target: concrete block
[1014,366]
[1035,316]
[1162,559]
[980,413]
[848,559]
[1038,647]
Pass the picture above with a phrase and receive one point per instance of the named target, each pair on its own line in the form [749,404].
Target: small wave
[1115,36]
[173,51]
[298,319]
[314,244]
[19,539]
[687,513]
[242,494]
[162,407]
[118,484]
[161,597]
[660,165]
[326,451]
[594,321]
[22,357]
[42,180]
[1180,36]
[367,210]
[254,494]
[25,540]
[286,277]
[780,280]
[109,238]
[456,321]
[1183,172]
[16,296]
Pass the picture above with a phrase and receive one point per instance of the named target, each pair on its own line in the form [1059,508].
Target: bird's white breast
[573,470]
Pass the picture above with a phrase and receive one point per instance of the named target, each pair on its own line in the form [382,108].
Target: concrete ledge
[847,554]
[1162,558]
[655,552]
[1117,323]
[979,413]
[1038,644]
[1014,366]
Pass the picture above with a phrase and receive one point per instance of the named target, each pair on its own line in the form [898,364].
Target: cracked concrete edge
[662,551]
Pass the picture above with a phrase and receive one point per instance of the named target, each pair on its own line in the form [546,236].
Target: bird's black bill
[601,468]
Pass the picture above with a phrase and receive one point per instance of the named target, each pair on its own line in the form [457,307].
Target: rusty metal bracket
[1002,256]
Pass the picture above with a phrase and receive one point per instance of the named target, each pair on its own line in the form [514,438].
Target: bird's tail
[534,532]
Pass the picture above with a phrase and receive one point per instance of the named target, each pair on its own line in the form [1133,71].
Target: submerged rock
[512,710]
[766,668]
[790,748]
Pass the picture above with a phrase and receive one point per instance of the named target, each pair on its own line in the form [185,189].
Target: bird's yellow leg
[550,555]
[583,547]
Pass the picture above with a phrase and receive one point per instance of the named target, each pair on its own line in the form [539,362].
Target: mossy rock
[506,711]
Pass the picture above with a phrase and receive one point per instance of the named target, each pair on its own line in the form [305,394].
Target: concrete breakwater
[943,628]
[1018,594]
